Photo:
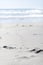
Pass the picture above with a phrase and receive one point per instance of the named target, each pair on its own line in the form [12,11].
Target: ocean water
[22,20]
[21,15]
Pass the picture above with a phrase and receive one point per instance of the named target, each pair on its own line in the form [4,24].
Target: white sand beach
[20,39]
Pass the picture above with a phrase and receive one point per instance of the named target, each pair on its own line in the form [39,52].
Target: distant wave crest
[4,13]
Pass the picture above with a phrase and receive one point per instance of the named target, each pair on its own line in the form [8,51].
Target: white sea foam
[7,13]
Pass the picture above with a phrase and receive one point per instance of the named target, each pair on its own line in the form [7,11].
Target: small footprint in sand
[32,50]
[39,51]
[36,50]
[6,47]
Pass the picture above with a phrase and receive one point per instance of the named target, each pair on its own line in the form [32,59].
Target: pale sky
[38,4]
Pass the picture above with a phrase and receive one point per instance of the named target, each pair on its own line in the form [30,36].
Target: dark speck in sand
[24,57]
[23,26]
[27,48]
[4,46]
[11,47]
[36,34]
[17,25]
[39,51]
[0,37]
[20,47]
[32,50]
[30,25]
[41,43]
[7,32]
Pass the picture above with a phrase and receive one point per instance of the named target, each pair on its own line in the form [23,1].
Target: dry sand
[20,42]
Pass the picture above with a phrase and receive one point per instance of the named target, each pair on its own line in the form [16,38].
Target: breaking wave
[7,13]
